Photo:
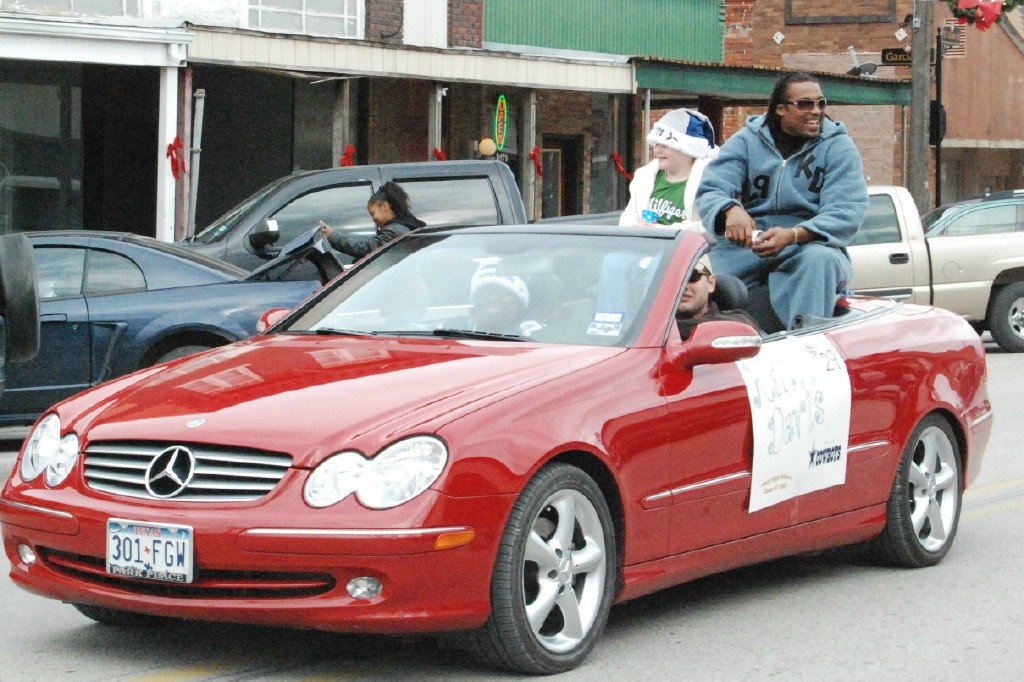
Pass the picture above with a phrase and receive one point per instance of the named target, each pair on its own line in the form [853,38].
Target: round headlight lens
[399,473]
[43,443]
[402,471]
[63,461]
[335,479]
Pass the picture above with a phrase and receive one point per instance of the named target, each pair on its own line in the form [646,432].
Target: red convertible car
[499,431]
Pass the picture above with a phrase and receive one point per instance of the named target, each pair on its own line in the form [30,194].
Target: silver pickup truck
[967,257]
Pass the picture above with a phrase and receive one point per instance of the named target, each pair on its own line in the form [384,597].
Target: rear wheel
[1006,318]
[924,506]
[115,618]
[554,578]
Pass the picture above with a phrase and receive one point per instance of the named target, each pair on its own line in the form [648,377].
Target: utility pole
[920,104]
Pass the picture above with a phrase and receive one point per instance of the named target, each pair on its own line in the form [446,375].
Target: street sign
[895,56]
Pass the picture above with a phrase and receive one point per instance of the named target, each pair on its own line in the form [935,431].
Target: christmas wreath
[981,13]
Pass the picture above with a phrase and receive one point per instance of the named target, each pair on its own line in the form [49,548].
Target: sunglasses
[696,275]
[808,104]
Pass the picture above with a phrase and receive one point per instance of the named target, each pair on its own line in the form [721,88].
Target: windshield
[551,288]
[948,211]
[223,226]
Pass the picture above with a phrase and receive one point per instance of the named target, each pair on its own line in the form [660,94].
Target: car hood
[314,395]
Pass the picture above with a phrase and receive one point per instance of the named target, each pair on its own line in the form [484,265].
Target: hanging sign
[500,122]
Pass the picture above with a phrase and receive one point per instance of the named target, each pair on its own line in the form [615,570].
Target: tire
[554,576]
[1006,318]
[114,618]
[923,510]
[19,297]
[181,352]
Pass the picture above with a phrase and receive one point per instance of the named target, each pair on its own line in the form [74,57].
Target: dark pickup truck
[441,193]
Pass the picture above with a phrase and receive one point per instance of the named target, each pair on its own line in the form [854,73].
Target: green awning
[750,85]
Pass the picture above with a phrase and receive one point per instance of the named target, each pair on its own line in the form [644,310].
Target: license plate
[149,551]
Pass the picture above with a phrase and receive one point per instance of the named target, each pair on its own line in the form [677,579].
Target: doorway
[562,161]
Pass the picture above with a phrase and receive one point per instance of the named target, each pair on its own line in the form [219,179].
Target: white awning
[234,47]
[92,41]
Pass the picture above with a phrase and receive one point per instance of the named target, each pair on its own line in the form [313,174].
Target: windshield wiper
[472,334]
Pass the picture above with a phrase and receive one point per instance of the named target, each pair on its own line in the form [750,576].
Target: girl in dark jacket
[389,208]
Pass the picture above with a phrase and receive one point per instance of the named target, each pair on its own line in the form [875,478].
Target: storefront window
[337,18]
[108,8]
[40,147]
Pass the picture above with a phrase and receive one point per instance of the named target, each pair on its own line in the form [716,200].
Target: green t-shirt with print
[667,200]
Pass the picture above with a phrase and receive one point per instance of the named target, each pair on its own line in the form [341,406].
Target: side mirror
[270,318]
[717,342]
[264,234]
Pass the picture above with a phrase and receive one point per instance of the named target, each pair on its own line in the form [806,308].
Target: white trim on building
[91,41]
[214,45]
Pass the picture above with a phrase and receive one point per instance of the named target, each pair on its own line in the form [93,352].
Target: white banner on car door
[799,392]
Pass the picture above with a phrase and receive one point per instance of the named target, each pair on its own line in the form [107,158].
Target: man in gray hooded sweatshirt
[788,194]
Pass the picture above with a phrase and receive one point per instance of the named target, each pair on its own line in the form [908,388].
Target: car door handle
[53,317]
[899,258]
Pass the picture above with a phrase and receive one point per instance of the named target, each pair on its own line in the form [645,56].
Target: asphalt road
[826,616]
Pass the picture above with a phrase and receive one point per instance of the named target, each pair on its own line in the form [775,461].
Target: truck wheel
[19,298]
[1006,318]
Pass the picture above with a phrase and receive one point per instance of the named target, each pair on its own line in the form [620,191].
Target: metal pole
[938,117]
[526,167]
[647,125]
[195,151]
[920,97]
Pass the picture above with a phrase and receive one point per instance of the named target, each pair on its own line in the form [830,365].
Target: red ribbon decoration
[439,155]
[985,13]
[176,153]
[537,163]
[619,167]
[349,157]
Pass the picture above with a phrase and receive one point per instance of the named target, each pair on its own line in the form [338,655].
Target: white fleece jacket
[640,195]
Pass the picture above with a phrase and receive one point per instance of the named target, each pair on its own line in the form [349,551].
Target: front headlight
[399,473]
[46,450]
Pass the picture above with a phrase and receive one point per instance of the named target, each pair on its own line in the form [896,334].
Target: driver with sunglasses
[788,194]
[695,304]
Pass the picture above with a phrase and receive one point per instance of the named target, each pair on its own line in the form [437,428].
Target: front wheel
[1006,318]
[923,510]
[181,352]
[554,578]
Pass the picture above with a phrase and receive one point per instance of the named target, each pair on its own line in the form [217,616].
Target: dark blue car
[112,303]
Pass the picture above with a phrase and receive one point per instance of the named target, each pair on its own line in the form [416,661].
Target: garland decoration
[619,167]
[537,162]
[982,14]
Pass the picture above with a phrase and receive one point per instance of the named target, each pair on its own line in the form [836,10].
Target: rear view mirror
[264,234]
[717,342]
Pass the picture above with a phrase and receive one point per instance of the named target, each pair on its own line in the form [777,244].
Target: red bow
[619,167]
[349,157]
[987,14]
[439,155]
[537,163]
[176,153]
